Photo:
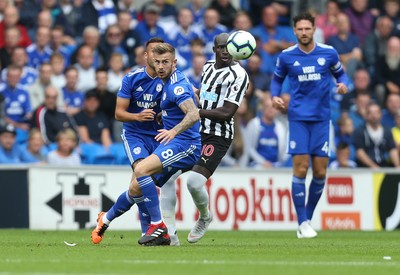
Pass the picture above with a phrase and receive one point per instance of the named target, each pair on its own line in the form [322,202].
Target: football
[241,45]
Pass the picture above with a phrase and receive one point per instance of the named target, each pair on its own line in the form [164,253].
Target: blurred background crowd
[62,63]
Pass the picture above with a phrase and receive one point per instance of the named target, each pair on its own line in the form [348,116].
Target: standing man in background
[309,66]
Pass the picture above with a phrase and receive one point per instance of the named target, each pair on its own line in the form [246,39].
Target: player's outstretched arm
[191,117]
[224,113]
[121,113]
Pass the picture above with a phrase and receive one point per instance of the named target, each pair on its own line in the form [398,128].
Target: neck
[151,72]
[307,48]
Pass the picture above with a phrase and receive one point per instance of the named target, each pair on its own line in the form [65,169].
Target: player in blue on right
[309,67]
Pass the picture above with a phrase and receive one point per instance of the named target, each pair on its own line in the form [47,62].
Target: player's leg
[176,155]
[320,158]
[214,149]
[136,148]
[298,148]
[168,204]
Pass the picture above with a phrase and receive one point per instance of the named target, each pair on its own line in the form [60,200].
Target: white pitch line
[224,262]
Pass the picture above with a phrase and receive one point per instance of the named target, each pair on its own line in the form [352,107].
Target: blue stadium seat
[104,159]
[118,151]
[89,151]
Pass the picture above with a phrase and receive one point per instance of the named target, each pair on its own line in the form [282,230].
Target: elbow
[117,116]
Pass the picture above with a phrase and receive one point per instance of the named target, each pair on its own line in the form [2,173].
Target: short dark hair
[154,40]
[304,16]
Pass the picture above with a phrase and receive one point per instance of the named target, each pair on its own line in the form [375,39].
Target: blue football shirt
[144,92]
[310,77]
[177,90]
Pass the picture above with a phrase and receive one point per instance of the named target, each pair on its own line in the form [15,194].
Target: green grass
[235,252]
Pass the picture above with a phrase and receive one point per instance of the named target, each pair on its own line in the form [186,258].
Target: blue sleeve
[337,69]
[181,93]
[278,76]
[125,89]
[276,85]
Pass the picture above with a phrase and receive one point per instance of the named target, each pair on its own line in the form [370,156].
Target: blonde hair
[67,133]
[163,48]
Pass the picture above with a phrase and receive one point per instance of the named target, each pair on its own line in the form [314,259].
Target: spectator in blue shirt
[17,104]
[148,27]
[211,28]
[10,152]
[347,45]
[273,39]
[40,51]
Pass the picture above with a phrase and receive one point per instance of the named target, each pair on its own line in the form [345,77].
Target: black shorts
[213,150]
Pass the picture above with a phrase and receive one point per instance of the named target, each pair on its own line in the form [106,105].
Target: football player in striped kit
[223,85]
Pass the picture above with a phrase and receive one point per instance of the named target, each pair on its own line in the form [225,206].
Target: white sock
[168,203]
[105,220]
[196,184]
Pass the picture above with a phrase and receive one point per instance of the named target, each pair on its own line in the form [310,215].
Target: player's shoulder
[328,49]
[136,72]
[290,49]
[238,69]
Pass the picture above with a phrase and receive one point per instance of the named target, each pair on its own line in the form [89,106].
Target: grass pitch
[235,252]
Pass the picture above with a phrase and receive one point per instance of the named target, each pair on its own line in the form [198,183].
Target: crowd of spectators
[62,63]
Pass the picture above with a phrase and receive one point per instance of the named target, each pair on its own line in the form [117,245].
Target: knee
[140,170]
[301,170]
[134,189]
[321,174]
[195,181]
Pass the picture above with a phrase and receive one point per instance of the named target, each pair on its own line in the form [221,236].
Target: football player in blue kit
[179,139]
[309,67]
[138,103]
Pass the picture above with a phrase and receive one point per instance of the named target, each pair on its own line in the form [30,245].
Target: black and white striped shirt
[217,86]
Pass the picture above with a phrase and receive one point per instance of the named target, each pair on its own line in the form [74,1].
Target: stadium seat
[104,159]
[118,151]
[89,151]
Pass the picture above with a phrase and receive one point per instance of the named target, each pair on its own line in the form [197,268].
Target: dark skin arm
[224,113]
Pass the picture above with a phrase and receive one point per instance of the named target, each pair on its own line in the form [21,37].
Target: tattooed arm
[191,117]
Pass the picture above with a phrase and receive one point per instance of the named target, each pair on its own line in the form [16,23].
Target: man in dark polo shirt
[93,124]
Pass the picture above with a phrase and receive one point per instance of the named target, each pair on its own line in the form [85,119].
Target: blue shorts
[138,146]
[178,155]
[309,138]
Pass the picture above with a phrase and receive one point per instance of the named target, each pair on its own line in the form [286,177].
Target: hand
[278,104]
[159,118]
[146,115]
[165,136]
[341,88]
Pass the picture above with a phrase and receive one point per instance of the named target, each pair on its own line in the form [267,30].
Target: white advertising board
[71,198]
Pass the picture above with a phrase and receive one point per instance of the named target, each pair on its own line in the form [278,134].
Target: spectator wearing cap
[93,124]
[149,27]
[10,152]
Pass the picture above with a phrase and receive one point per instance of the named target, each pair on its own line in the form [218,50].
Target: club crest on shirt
[159,87]
[178,90]
[321,61]
[21,98]
[137,150]
[292,144]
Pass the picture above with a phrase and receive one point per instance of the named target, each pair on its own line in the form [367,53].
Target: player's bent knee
[195,181]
